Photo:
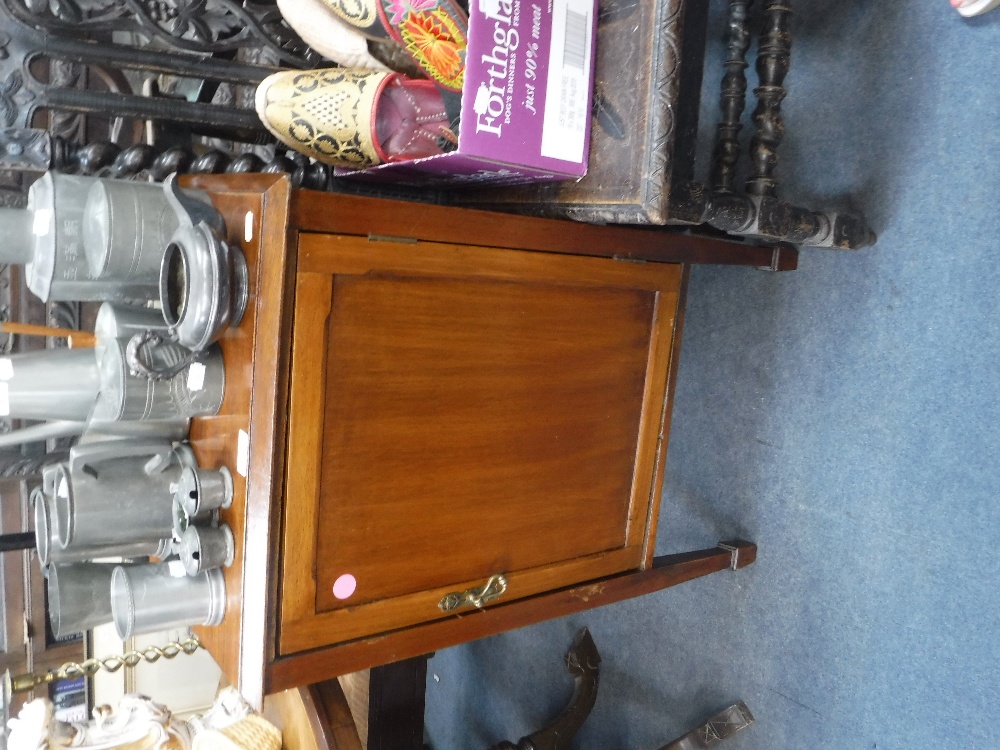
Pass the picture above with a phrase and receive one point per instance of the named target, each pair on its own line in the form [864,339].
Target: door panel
[469,423]
[458,414]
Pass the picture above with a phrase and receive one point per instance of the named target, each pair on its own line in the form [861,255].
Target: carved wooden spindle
[89,159]
[733,100]
[133,160]
[245,164]
[773,58]
[106,158]
[213,161]
[175,159]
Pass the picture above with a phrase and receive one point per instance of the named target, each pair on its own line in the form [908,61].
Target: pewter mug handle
[203,280]
[148,355]
[95,453]
[190,211]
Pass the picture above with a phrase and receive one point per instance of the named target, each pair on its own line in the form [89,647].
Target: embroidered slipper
[969,8]
[433,32]
[328,34]
[354,118]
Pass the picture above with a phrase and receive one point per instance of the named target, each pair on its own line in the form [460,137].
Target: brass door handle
[476,597]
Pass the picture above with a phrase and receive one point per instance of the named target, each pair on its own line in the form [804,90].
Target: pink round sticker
[344,586]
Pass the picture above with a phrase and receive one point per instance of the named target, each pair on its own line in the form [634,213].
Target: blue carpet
[844,417]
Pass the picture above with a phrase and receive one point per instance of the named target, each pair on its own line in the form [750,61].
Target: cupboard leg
[396,696]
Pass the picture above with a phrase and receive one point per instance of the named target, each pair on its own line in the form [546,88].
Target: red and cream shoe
[433,32]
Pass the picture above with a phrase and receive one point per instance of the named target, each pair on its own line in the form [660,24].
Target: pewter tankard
[49,384]
[117,492]
[50,552]
[159,596]
[122,322]
[176,429]
[195,391]
[79,597]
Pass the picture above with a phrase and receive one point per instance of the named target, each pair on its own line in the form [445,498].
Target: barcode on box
[575,52]
[567,114]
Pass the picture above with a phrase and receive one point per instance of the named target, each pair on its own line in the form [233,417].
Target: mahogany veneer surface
[467,426]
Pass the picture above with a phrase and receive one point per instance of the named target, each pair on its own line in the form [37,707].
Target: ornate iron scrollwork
[201,26]
[23,149]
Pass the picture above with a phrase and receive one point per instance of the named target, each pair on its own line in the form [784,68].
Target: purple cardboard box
[526,99]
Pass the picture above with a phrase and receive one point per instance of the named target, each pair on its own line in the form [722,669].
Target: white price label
[6,369]
[196,376]
[42,222]
[176,568]
[242,453]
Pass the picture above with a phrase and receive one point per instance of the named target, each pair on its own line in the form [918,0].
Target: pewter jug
[198,495]
[117,492]
[202,548]
[203,280]
[126,228]
[203,490]
[85,238]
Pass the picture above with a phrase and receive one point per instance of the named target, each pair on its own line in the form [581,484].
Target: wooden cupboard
[443,424]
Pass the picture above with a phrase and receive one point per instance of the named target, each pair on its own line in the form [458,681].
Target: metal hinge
[390,238]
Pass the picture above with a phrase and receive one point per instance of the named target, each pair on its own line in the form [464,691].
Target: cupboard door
[459,413]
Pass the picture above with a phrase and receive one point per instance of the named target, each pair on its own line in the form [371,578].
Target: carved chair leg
[768,219]
[724,724]
[582,661]
[773,60]
[726,155]
[760,214]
